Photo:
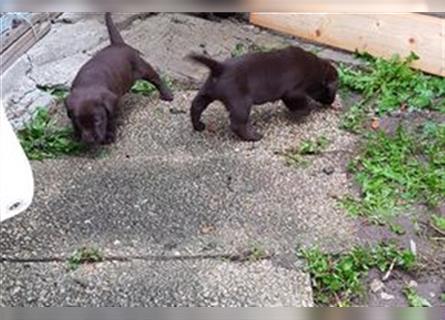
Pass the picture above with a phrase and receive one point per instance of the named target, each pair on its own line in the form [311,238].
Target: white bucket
[16,179]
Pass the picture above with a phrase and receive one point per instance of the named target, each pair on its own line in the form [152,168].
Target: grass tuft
[394,171]
[388,85]
[83,256]
[295,157]
[337,279]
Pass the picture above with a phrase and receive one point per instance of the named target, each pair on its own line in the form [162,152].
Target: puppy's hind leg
[239,122]
[147,72]
[199,104]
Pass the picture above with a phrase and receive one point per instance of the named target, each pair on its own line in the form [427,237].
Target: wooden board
[12,35]
[15,42]
[379,34]
[21,45]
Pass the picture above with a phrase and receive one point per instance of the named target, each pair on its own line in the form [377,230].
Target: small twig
[388,273]
[437,229]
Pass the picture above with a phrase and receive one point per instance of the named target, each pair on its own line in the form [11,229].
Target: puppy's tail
[216,67]
[115,36]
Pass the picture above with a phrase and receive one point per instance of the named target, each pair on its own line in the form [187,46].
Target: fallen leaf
[207,228]
[375,123]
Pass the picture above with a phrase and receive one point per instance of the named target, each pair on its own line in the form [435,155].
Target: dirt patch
[411,229]
[409,120]
[389,293]
[418,234]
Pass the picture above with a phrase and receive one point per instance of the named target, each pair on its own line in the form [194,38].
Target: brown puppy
[290,74]
[95,92]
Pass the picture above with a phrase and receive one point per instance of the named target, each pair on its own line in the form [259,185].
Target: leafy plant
[145,88]
[388,85]
[42,139]
[397,170]
[295,157]
[84,255]
[337,278]
[59,91]
[414,299]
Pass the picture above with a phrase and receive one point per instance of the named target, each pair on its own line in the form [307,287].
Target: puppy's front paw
[200,126]
[255,136]
[250,135]
[110,138]
[167,96]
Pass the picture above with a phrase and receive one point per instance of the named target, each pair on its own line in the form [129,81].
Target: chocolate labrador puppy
[289,74]
[95,92]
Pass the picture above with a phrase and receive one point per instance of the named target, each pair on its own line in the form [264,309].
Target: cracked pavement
[176,213]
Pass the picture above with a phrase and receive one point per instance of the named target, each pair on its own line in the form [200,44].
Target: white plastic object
[16,179]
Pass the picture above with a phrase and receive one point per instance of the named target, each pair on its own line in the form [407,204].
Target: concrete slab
[164,190]
[175,283]
[162,185]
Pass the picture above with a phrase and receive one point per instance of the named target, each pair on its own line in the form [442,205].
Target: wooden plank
[379,34]
[10,36]
[26,41]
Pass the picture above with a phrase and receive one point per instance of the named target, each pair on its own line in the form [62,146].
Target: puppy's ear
[330,73]
[331,78]
[69,111]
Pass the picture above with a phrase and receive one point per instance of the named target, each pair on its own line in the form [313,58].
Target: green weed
[397,229]
[398,170]
[42,139]
[414,299]
[145,88]
[313,147]
[241,49]
[59,91]
[84,255]
[439,223]
[295,157]
[387,85]
[337,279]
